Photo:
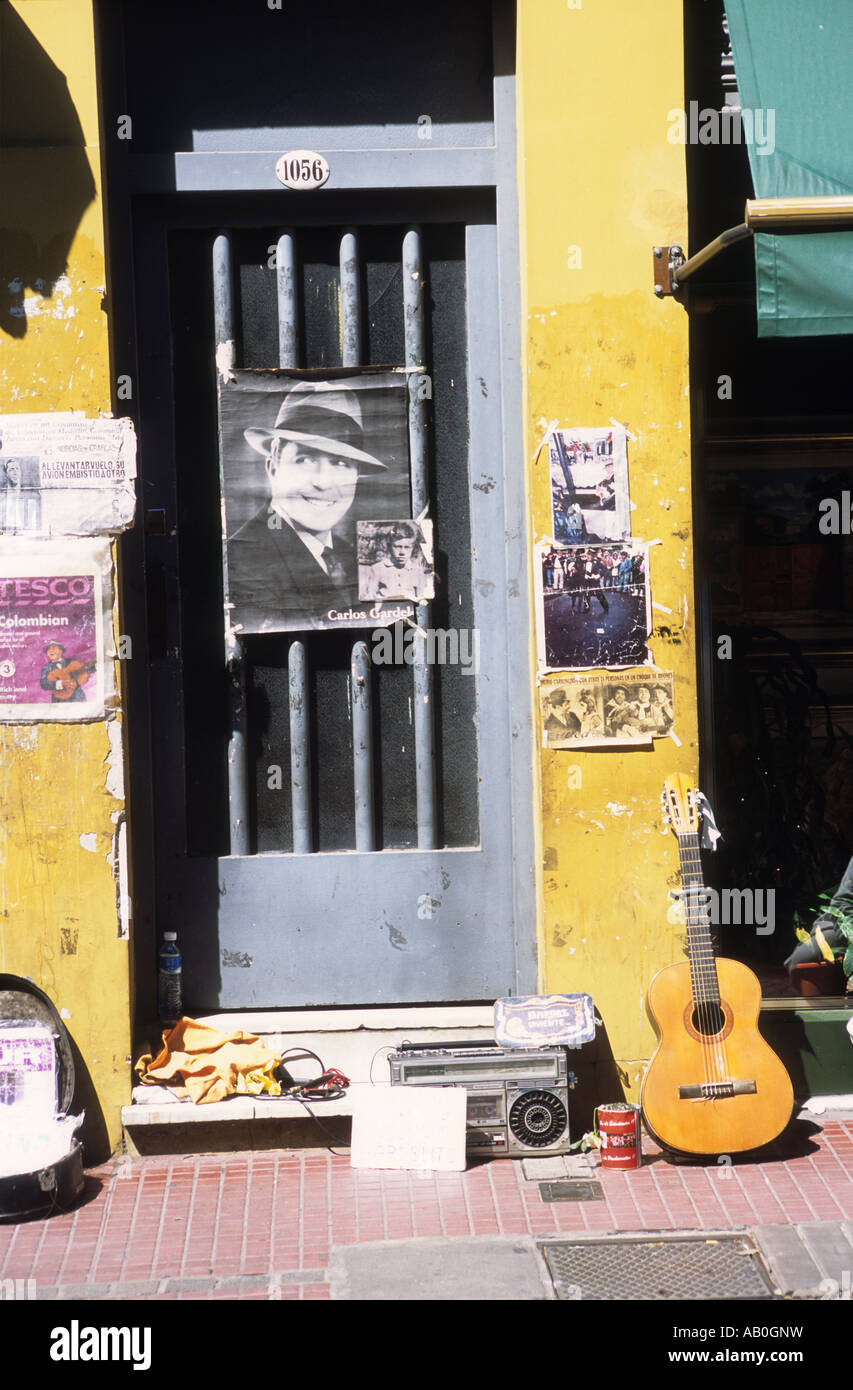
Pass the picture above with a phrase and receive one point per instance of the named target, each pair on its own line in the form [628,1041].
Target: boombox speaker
[518,1102]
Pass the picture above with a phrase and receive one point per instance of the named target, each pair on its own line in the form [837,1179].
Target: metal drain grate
[723,1267]
[571,1191]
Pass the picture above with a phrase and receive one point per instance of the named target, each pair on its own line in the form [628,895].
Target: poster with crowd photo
[593,606]
[305,456]
[589,485]
[55,608]
[62,474]
[604,711]
[395,560]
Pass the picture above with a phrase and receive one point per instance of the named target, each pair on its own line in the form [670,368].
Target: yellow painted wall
[59,814]
[596,80]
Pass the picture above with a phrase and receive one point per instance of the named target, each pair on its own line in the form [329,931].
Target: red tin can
[619,1128]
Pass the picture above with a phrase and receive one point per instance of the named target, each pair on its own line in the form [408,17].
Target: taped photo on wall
[306,456]
[588,470]
[593,606]
[395,560]
[603,711]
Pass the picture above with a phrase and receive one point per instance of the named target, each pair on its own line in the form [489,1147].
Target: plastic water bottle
[169,1000]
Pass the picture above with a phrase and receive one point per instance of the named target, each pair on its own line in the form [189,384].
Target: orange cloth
[205,1065]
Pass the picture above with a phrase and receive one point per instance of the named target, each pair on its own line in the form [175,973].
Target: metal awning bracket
[778,216]
[667,260]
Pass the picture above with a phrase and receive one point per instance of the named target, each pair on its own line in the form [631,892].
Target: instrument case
[36,1092]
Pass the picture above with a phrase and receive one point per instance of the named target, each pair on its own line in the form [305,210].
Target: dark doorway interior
[773,438]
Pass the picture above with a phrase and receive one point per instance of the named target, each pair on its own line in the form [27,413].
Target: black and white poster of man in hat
[304,458]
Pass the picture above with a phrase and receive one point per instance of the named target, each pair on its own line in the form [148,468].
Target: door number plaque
[302,169]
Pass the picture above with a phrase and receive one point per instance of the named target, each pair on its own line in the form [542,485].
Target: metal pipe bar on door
[238,775]
[360,672]
[422,676]
[297,657]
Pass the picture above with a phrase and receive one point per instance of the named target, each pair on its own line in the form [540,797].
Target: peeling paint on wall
[26,737]
[240,960]
[115,760]
[119,863]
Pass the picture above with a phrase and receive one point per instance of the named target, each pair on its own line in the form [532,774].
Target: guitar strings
[706,984]
[707,1003]
[704,979]
[689,873]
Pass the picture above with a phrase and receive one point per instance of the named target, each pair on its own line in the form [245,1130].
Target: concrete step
[355,1041]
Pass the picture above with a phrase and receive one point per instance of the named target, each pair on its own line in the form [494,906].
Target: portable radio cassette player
[518,1101]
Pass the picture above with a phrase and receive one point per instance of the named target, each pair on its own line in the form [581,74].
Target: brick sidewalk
[262,1225]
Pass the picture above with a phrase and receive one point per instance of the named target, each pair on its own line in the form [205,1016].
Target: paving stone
[300,1276]
[138,1288]
[84,1290]
[247,1281]
[791,1266]
[831,1250]
[545,1169]
[440,1270]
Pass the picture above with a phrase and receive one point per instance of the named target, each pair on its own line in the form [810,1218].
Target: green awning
[794,67]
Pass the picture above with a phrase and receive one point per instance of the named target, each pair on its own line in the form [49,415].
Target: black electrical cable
[318,1121]
[331,1084]
[310,1090]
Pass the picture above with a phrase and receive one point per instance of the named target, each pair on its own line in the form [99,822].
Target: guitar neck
[697,912]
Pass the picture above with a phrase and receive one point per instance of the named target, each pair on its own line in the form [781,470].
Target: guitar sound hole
[708,1019]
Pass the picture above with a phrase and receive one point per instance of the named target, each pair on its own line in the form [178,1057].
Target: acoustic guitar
[67,678]
[713,1086]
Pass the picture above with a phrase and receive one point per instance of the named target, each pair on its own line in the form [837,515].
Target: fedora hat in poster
[322,417]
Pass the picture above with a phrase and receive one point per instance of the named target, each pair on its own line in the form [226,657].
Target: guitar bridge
[716,1090]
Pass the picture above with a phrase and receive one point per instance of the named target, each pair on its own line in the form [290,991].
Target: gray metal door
[327,831]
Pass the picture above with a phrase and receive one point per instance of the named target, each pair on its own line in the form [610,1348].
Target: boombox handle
[453,1046]
[462,1045]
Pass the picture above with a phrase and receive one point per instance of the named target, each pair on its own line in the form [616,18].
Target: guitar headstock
[679,804]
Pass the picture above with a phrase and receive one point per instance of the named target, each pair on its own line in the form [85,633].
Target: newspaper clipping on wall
[64,475]
[593,605]
[607,711]
[56,657]
[305,457]
[589,485]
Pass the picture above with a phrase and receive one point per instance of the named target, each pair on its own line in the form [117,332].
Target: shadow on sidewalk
[794,1142]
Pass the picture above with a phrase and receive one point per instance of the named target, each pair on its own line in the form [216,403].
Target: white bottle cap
[170,936]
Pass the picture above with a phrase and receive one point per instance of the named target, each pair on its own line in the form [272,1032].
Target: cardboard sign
[545,1020]
[409,1127]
